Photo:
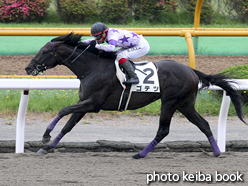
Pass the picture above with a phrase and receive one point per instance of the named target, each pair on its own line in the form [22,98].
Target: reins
[74,50]
[79,54]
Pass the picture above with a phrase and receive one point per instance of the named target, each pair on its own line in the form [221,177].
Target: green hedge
[76,10]
[237,8]
[112,11]
[206,10]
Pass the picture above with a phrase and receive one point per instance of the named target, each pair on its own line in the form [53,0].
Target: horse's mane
[69,39]
[75,40]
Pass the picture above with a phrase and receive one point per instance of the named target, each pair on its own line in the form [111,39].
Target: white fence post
[20,125]
[221,140]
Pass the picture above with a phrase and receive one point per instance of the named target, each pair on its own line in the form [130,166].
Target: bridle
[41,66]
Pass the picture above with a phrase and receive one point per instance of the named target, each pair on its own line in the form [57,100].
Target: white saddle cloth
[147,74]
[148,79]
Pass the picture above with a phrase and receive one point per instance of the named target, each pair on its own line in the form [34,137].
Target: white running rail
[28,84]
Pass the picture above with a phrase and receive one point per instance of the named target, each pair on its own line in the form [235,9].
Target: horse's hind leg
[74,119]
[46,136]
[188,110]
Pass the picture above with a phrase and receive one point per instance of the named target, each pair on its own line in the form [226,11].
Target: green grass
[52,101]
[39,100]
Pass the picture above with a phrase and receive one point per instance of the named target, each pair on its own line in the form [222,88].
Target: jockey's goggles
[98,37]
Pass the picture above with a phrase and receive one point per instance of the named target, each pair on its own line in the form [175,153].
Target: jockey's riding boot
[130,70]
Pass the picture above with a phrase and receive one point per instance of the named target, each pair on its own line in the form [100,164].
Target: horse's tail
[221,80]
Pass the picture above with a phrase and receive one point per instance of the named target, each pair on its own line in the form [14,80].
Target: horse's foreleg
[75,118]
[81,107]
[163,131]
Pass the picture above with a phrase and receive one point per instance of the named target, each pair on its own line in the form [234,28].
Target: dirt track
[11,65]
[112,168]
[117,168]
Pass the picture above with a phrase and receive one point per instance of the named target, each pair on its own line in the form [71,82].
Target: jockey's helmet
[98,29]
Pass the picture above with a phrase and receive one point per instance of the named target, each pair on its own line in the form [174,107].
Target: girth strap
[125,98]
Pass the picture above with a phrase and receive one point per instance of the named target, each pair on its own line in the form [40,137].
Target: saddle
[126,75]
[148,81]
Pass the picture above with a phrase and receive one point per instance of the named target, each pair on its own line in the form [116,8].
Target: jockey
[131,45]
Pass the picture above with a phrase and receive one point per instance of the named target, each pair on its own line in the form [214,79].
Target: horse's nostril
[28,69]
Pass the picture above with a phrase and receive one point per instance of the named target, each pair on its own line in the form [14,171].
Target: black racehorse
[100,88]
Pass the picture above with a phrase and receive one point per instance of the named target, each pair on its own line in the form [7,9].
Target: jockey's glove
[93,43]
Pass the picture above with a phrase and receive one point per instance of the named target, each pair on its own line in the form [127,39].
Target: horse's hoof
[46,139]
[137,156]
[42,152]
[217,154]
